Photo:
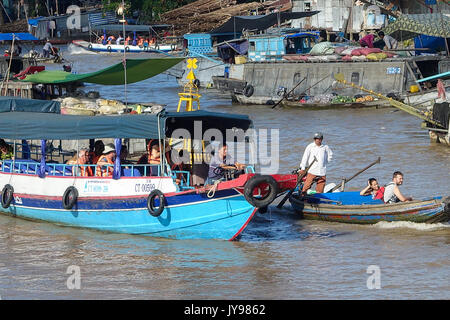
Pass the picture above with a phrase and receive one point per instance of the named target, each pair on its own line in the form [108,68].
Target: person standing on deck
[318,170]
[47,49]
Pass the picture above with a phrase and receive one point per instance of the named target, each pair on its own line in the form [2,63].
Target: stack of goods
[363,54]
[326,51]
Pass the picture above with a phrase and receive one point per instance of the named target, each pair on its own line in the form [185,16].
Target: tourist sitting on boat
[152,156]
[392,192]
[373,189]
[105,164]
[220,162]
[124,156]
[367,41]
[7,53]
[99,146]
[119,39]
[317,171]
[6,151]
[47,49]
[82,159]
[128,41]
[111,39]
[101,39]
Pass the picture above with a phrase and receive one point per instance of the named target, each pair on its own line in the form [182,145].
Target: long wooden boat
[356,105]
[350,207]
[136,199]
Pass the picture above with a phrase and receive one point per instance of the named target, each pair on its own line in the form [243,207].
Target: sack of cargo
[347,58]
[339,50]
[348,51]
[376,56]
[356,52]
[359,58]
[366,51]
[322,48]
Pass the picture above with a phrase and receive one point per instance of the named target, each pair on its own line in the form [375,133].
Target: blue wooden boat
[136,199]
[351,207]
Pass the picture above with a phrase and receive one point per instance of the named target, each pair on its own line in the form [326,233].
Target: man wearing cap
[318,169]
[104,168]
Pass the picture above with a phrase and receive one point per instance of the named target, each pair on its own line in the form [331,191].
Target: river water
[278,256]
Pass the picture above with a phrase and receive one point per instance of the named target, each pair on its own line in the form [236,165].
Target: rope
[212,191]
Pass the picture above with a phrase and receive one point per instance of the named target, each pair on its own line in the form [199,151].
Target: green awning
[137,70]
[408,26]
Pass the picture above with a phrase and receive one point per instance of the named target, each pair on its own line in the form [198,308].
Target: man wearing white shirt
[318,169]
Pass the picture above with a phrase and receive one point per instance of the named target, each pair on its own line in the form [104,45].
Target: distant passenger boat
[351,207]
[99,47]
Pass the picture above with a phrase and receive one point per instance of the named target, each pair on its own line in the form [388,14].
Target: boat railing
[32,167]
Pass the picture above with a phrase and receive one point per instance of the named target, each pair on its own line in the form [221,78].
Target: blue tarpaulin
[17,36]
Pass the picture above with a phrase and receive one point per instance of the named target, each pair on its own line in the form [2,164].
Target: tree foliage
[147,10]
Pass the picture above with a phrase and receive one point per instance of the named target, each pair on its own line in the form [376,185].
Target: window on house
[307,6]
[355,77]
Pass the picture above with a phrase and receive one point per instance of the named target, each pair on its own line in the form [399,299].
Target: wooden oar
[287,94]
[300,178]
[356,174]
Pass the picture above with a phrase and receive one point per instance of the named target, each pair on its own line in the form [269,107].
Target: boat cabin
[273,47]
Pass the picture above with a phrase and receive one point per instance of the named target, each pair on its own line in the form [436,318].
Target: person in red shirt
[374,189]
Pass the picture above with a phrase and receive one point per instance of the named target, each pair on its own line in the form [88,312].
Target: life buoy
[197,83]
[127,49]
[90,46]
[249,90]
[70,197]
[7,195]
[261,190]
[152,209]
[109,49]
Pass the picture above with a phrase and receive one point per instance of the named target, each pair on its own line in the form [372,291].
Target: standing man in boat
[392,192]
[47,49]
[318,170]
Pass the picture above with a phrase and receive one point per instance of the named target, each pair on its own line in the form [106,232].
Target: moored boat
[136,199]
[351,207]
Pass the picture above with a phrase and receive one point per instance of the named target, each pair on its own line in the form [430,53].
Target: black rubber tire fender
[248,90]
[7,195]
[254,182]
[70,198]
[109,49]
[127,49]
[90,46]
[156,212]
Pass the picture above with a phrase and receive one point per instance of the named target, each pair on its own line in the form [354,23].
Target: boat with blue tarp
[351,207]
[143,199]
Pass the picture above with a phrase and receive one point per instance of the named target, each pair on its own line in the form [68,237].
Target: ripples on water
[277,256]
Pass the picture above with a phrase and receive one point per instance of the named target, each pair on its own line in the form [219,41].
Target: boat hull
[420,211]
[186,216]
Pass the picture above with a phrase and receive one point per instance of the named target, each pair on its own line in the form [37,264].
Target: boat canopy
[30,125]
[137,70]
[408,26]
[237,24]
[11,104]
[17,36]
